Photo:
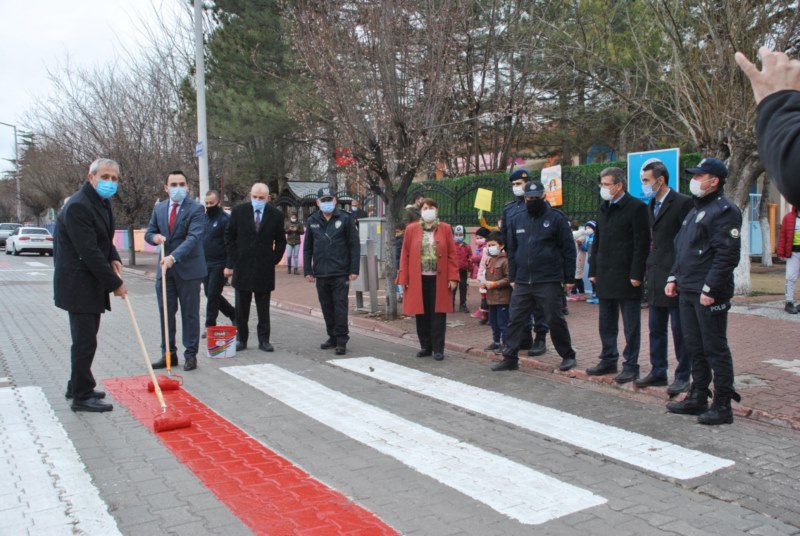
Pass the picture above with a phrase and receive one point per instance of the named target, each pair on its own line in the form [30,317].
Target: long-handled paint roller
[162,422]
[167,354]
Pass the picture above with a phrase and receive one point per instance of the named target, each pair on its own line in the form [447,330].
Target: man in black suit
[256,241]
[87,269]
[667,210]
[179,222]
[616,270]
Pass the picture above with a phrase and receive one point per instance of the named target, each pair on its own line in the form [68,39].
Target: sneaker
[492,347]
[573,297]
[790,308]
[593,300]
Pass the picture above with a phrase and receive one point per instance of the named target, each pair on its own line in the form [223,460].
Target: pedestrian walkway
[762,339]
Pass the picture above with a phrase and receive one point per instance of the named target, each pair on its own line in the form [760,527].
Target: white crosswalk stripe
[45,488]
[629,447]
[509,487]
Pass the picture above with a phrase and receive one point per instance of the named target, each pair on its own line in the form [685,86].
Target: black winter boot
[539,346]
[289,267]
[695,403]
[720,411]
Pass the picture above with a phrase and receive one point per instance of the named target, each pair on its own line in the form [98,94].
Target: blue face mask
[326,206]
[459,239]
[258,204]
[177,193]
[648,191]
[106,189]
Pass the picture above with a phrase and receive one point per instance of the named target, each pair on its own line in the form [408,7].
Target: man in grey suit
[178,222]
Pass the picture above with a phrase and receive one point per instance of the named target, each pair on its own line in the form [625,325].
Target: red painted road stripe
[266,491]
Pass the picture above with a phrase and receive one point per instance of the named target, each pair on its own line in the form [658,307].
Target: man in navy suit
[178,222]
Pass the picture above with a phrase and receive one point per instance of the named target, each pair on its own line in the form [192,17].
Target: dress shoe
[463,309]
[602,368]
[327,345]
[539,347]
[91,404]
[567,363]
[162,363]
[95,394]
[438,357]
[626,376]
[265,347]
[506,364]
[190,363]
[678,386]
[424,353]
[340,350]
[790,308]
[241,346]
[492,347]
[651,381]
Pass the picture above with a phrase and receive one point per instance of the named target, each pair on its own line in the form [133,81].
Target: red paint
[264,490]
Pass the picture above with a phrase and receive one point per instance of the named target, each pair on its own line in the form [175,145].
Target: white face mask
[428,215]
[605,193]
[695,188]
[518,190]
[493,250]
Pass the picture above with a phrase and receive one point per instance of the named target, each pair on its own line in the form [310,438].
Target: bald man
[255,241]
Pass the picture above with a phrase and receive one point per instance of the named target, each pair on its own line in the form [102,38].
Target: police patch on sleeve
[337,224]
[735,233]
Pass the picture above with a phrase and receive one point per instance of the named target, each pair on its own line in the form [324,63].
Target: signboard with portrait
[553,185]
[637,161]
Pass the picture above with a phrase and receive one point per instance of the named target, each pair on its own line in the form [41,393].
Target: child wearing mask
[479,259]
[294,230]
[498,289]
[464,262]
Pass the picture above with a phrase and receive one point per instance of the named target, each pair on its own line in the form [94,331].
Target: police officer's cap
[714,166]
[325,193]
[534,188]
[520,173]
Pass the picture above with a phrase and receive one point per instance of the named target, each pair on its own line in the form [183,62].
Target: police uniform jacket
[185,242]
[664,228]
[778,133]
[510,210]
[83,251]
[707,247]
[541,248]
[214,240]
[331,247]
[620,248]
[253,254]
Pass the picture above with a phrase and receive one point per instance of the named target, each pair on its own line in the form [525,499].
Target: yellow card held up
[483,199]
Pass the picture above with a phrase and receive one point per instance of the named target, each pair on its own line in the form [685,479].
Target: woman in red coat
[789,249]
[428,272]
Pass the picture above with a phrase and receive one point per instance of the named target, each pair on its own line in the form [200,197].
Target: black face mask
[212,211]
[535,206]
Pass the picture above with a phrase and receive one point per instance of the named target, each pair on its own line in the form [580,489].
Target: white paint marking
[36,264]
[510,488]
[26,270]
[628,447]
[789,366]
[53,493]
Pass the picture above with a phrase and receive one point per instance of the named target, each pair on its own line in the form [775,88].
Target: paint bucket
[221,341]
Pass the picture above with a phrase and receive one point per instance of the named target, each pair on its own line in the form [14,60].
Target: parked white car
[30,240]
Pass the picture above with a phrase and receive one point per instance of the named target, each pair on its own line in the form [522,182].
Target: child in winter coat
[498,289]
[464,262]
[479,259]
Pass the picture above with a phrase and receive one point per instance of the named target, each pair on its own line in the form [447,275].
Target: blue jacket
[331,247]
[214,239]
[541,248]
[185,243]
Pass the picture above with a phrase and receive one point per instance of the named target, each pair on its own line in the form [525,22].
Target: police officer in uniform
[537,345]
[706,253]
[541,267]
[331,254]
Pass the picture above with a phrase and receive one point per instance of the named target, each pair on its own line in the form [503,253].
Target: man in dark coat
[331,258]
[216,258]
[178,222]
[616,270]
[777,92]
[87,269]
[256,241]
[667,210]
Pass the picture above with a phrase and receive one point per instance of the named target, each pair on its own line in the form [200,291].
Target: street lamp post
[16,170]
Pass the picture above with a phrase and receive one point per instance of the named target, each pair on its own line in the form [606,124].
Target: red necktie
[172,214]
[258,220]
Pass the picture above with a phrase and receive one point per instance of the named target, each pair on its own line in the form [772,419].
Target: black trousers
[431,325]
[525,299]
[705,332]
[333,300]
[243,299]
[83,327]
[462,289]
[216,303]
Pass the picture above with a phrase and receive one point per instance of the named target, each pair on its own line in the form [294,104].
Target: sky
[37,35]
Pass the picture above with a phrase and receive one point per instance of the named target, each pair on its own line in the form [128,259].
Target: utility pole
[201,149]
[16,170]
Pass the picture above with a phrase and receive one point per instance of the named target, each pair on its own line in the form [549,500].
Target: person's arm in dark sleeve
[726,243]
[641,242]
[231,244]
[152,229]
[569,253]
[354,245]
[280,241]
[778,134]
[194,233]
[308,251]
[511,249]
